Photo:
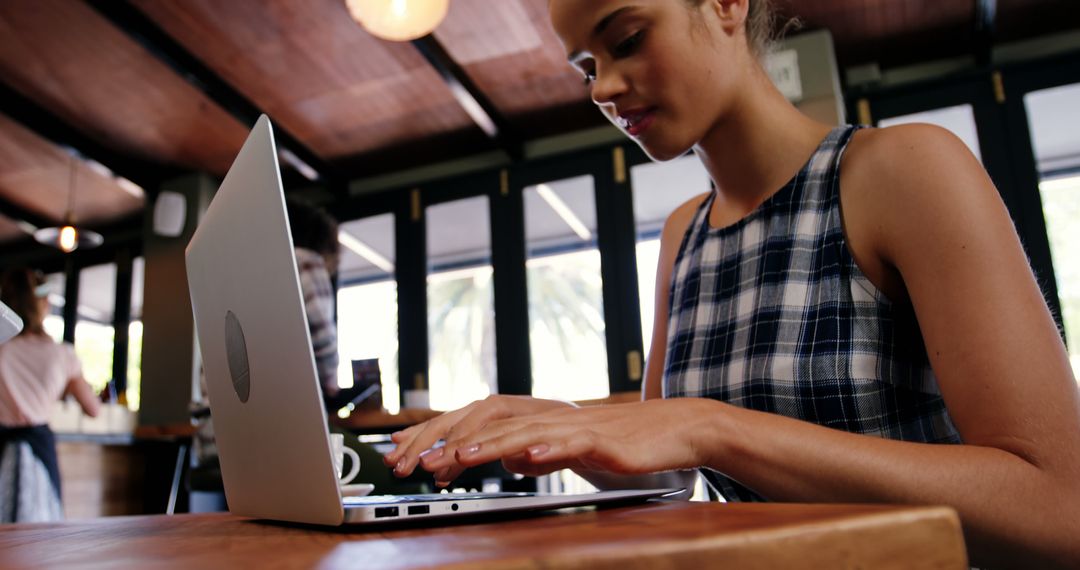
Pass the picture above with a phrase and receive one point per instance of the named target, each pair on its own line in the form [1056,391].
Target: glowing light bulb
[398,20]
[69,239]
[400,8]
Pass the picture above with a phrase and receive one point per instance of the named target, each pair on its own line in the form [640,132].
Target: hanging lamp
[68,237]
[398,20]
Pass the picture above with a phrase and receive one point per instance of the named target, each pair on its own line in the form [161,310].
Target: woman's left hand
[644,437]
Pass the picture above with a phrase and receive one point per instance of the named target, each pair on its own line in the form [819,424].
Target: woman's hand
[644,437]
[416,442]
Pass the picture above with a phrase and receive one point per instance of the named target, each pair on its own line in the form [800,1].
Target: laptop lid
[269,420]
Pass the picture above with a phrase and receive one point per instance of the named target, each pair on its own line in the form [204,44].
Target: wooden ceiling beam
[145,32]
[470,97]
[51,128]
[28,221]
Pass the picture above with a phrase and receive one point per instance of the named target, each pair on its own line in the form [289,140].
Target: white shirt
[34,370]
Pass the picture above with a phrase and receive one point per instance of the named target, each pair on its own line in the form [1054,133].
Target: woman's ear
[731,14]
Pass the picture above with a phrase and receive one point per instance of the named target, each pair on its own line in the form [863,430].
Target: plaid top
[319,304]
[772,314]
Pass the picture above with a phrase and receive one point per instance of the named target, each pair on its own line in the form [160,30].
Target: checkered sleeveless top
[772,314]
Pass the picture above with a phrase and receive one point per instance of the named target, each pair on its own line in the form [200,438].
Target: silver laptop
[265,398]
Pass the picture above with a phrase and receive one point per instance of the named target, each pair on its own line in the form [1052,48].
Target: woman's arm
[84,395]
[1000,364]
[415,443]
[671,237]
[995,350]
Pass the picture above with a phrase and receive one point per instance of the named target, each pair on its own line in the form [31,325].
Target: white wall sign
[783,68]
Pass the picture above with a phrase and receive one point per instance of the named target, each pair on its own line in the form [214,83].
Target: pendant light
[398,20]
[68,238]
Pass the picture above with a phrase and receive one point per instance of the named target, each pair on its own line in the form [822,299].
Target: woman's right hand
[413,443]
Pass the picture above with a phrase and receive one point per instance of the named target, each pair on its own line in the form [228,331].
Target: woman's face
[662,71]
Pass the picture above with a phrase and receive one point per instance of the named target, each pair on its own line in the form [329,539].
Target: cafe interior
[497,234]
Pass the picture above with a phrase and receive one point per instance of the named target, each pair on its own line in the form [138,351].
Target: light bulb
[398,20]
[69,239]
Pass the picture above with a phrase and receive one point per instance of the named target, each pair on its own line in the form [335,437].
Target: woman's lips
[635,122]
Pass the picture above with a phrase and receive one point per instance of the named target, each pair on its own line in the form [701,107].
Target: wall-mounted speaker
[170,212]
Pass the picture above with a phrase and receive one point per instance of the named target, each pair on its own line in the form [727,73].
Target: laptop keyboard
[428,498]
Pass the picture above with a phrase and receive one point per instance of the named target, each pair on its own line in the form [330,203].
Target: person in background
[35,373]
[315,239]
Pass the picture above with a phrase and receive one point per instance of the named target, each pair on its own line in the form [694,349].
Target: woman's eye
[589,78]
[629,45]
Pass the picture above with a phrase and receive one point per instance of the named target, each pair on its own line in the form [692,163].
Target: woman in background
[35,373]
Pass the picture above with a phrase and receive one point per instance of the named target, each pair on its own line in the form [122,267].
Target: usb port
[419,510]
[385,512]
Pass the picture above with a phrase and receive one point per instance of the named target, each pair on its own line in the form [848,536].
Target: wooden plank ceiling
[509,49]
[889,32]
[341,91]
[36,175]
[66,57]
[358,104]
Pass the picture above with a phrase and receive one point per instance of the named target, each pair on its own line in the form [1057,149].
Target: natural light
[1061,207]
[367,328]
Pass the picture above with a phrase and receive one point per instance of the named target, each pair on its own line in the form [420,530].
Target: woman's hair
[760,26]
[312,228]
[17,291]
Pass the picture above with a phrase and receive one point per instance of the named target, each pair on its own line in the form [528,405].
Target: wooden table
[666,535]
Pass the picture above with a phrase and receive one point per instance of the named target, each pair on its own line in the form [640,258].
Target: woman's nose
[607,87]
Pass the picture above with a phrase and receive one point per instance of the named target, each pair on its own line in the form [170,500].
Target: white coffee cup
[339,451]
[416,400]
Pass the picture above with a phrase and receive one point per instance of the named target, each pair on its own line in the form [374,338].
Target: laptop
[269,420]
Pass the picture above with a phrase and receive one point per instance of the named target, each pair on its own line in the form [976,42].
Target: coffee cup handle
[354,468]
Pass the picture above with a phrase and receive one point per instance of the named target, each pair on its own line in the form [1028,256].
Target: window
[461,304]
[94,338]
[565,289]
[135,331]
[54,321]
[659,188]
[367,303]
[1055,132]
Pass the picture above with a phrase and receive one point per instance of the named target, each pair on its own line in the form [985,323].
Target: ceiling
[111,95]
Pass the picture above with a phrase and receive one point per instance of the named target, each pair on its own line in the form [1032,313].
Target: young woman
[851,317]
[35,372]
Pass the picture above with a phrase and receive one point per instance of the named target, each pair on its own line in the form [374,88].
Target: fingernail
[396,434]
[442,484]
[432,454]
[469,450]
[400,467]
[538,450]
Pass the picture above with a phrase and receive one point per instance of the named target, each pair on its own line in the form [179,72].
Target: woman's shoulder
[36,347]
[895,169]
[33,339]
[907,179]
[892,156]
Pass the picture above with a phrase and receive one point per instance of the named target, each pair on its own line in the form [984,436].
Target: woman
[851,317]
[35,372]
